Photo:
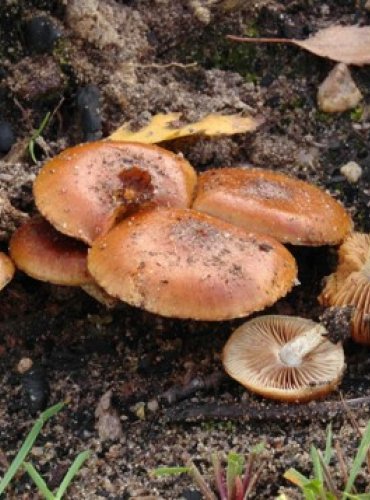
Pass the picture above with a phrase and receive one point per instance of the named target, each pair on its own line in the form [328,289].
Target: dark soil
[123,50]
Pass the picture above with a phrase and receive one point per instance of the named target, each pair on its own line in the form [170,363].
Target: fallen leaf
[161,128]
[347,44]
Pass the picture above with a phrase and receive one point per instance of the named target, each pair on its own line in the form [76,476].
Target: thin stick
[341,462]
[260,40]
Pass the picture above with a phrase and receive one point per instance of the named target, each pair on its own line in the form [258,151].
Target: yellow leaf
[159,128]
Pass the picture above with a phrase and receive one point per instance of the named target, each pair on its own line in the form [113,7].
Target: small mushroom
[185,264]
[284,357]
[6,270]
[43,253]
[349,285]
[84,190]
[290,210]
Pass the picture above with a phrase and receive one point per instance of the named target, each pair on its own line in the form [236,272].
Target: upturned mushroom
[84,190]
[43,253]
[185,264]
[285,358]
[349,285]
[290,210]
[6,270]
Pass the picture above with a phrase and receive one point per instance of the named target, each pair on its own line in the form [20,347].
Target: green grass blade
[27,445]
[359,459]
[317,468]
[39,481]
[72,471]
[36,134]
[235,464]
[170,471]
[296,477]
[328,445]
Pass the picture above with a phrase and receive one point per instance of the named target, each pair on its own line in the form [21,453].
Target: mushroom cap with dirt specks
[6,270]
[251,356]
[349,285]
[42,252]
[290,210]
[80,191]
[185,264]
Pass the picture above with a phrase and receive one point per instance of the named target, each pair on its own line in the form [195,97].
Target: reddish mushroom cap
[311,368]
[83,190]
[185,264]
[349,285]
[272,203]
[47,255]
[6,270]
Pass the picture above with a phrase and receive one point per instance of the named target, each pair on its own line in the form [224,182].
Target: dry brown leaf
[347,44]
[161,128]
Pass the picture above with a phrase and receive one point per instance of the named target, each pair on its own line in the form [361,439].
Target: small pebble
[338,92]
[35,388]
[108,422]
[40,35]
[191,495]
[24,365]
[7,137]
[351,171]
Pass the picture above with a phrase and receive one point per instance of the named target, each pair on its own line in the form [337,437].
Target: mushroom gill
[284,357]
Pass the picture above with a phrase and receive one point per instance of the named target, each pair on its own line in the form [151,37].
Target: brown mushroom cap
[83,190]
[349,285]
[290,210]
[6,270]
[47,255]
[252,356]
[185,264]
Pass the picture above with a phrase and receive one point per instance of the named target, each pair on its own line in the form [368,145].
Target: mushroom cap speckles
[349,285]
[78,191]
[47,255]
[181,263]
[6,270]
[251,356]
[272,203]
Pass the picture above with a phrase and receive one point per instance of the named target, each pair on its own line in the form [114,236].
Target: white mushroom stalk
[294,352]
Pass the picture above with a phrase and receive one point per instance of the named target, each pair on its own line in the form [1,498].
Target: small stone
[153,405]
[338,92]
[108,422]
[351,171]
[88,104]
[24,365]
[40,34]
[35,388]
[7,137]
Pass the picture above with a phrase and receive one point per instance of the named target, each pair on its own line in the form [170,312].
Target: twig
[242,411]
[162,66]
[260,40]
[341,462]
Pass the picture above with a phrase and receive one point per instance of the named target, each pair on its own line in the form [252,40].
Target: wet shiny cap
[84,190]
[184,264]
[290,210]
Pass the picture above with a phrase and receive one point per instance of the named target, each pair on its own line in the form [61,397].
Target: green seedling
[36,134]
[233,482]
[322,485]
[19,461]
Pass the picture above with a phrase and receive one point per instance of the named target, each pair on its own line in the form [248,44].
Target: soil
[79,349]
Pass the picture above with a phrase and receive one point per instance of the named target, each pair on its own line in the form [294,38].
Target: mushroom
[290,210]
[284,357]
[84,190]
[43,253]
[6,270]
[349,285]
[185,264]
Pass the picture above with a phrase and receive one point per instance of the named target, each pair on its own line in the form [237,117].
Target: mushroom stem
[293,353]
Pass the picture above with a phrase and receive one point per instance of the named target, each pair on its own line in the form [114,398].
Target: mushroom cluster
[134,222]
